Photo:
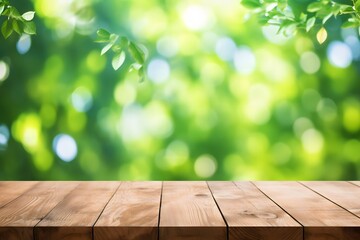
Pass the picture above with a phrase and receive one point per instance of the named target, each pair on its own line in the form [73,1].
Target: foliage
[316,14]
[122,46]
[225,99]
[15,22]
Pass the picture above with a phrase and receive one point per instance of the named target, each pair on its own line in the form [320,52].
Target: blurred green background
[224,97]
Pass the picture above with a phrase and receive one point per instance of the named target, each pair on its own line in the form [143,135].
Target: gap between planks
[354,210]
[19,197]
[222,214]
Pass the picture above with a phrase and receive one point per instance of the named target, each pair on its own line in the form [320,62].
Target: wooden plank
[12,189]
[132,214]
[356,183]
[75,216]
[344,194]
[321,218]
[189,212]
[251,215]
[18,218]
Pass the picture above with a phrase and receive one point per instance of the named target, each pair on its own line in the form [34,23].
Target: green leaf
[103,34]
[315,6]
[141,74]
[14,13]
[107,48]
[263,20]
[290,30]
[6,12]
[101,40]
[252,4]
[310,23]
[117,48]
[336,9]
[357,6]
[349,24]
[303,17]
[270,7]
[346,9]
[118,60]
[6,29]
[135,66]
[28,16]
[113,37]
[16,27]
[137,53]
[124,42]
[29,28]
[282,4]
[1,8]
[324,12]
[353,20]
[327,18]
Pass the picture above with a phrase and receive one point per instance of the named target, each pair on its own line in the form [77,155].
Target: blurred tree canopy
[225,98]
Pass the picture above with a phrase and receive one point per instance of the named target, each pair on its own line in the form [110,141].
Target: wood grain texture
[132,213]
[179,210]
[189,212]
[11,190]
[18,218]
[344,194]
[251,215]
[75,216]
[321,218]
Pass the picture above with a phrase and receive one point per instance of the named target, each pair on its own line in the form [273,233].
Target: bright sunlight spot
[205,166]
[339,54]
[158,70]
[4,71]
[65,147]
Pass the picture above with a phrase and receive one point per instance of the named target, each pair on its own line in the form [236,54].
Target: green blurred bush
[224,97]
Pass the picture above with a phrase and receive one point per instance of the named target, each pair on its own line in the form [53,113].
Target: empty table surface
[171,210]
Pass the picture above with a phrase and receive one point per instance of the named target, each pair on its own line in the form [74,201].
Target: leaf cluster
[122,47]
[316,14]
[16,22]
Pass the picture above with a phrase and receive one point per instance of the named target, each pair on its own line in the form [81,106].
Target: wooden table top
[180,210]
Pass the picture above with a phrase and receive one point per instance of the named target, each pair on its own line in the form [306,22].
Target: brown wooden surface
[188,211]
[180,210]
[355,183]
[11,190]
[321,218]
[74,217]
[19,217]
[343,194]
[251,215]
[132,213]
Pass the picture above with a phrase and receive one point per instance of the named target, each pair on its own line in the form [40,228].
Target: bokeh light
[205,166]
[65,147]
[167,46]
[158,71]
[310,62]
[225,48]
[223,97]
[81,99]
[339,54]
[24,44]
[197,17]
[244,60]
[4,71]
[4,137]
